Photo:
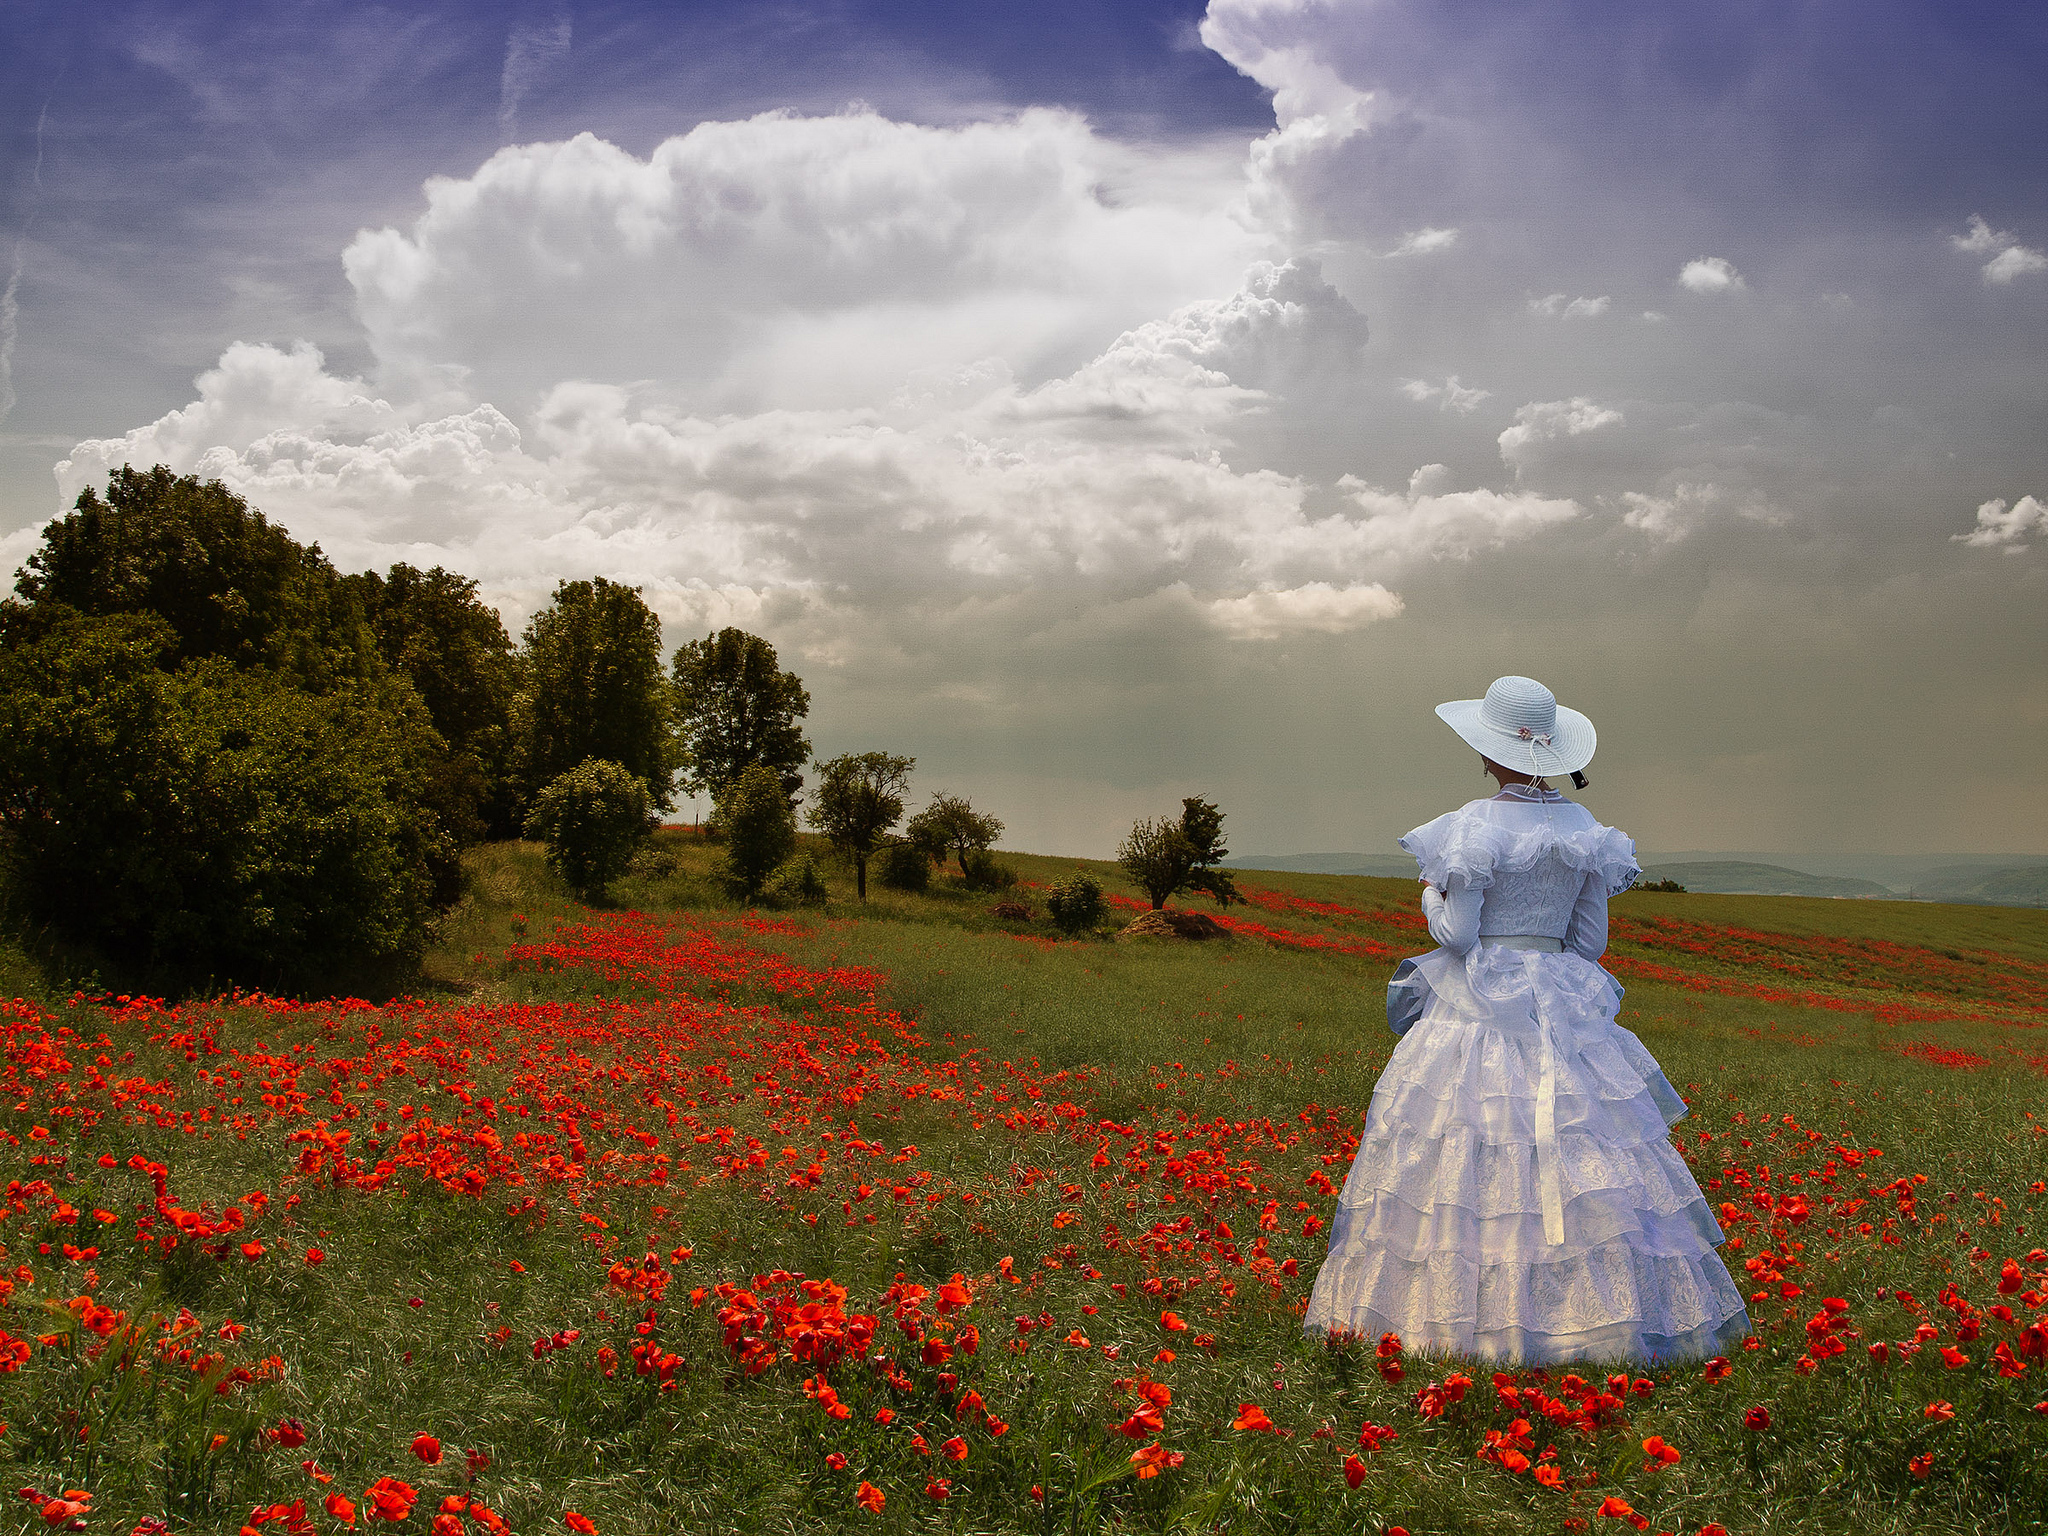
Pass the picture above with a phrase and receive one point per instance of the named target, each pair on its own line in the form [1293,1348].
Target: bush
[759,828]
[906,867]
[214,825]
[800,881]
[1075,904]
[593,819]
[985,873]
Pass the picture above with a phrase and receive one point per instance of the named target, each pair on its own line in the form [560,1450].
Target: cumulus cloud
[1449,395]
[2006,528]
[2009,258]
[1559,306]
[1425,522]
[1672,514]
[1314,608]
[1425,241]
[1546,421]
[1710,274]
[800,261]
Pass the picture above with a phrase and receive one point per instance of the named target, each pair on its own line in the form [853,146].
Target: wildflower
[1953,1358]
[1144,1421]
[1251,1416]
[1354,1470]
[836,1461]
[1657,1450]
[1941,1410]
[954,1449]
[870,1498]
[1153,1459]
[1922,1464]
[289,1433]
[1549,1476]
[1171,1323]
[1716,1369]
[1758,1418]
[340,1508]
[390,1499]
[427,1448]
[316,1255]
[582,1525]
[1372,1436]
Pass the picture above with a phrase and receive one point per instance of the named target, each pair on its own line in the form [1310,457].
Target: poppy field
[674,1216]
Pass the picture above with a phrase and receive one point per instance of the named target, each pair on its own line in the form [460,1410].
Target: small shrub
[759,827]
[594,819]
[906,867]
[1076,904]
[985,873]
[655,862]
[1659,885]
[800,881]
[1013,912]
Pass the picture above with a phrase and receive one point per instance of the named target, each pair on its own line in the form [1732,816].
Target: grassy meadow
[672,1216]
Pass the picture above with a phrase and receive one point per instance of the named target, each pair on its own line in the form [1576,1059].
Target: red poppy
[390,1499]
[1251,1416]
[1354,1470]
[1717,1369]
[954,1449]
[870,1498]
[836,1461]
[1942,1410]
[1154,1459]
[1658,1451]
[1757,1418]
[289,1433]
[1549,1476]
[316,1255]
[582,1525]
[1922,1464]
[340,1508]
[1172,1323]
[938,1489]
[427,1448]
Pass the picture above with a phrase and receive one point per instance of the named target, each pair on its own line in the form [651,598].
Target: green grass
[1280,1045]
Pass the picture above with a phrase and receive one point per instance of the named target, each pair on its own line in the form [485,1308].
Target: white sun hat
[1520,725]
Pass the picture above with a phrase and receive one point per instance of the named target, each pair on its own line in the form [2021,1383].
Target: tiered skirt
[1515,1195]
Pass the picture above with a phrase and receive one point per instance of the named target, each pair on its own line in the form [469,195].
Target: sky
[1110,402]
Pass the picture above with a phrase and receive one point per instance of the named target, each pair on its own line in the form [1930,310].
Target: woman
[1516,1195]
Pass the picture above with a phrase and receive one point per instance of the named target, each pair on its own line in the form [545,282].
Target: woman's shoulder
[1493,835]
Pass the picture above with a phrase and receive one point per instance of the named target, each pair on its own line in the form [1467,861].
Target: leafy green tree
[1158,858]
[1201,823]
[759,829]
[593,819]
[906,867]
[736,707]
[858,799]
[224,581]
[592,687]
[432,628]
[950,824]
[214,823]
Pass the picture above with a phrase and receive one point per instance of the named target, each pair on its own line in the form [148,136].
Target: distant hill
[2026,886]
[1733,877]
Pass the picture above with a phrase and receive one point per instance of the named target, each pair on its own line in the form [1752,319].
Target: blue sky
[1089,397]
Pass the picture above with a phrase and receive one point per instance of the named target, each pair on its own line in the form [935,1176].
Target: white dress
[1516,1195]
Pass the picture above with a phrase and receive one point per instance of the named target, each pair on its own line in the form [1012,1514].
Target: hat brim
[1572,740]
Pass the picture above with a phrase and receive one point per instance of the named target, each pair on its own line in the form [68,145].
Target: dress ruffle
[1472,845]
[1439,1233]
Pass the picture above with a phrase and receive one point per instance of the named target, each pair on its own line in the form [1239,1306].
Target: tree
[592,687]
[950,824]
[592,818]
[433,629]
[734,708]
[214,823]
[1201,823]
[759,827]
[1158,858]
[1075,904]
[858,799]
[224,581]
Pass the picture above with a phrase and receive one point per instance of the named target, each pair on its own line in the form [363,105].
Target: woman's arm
[1454,916]
[1587,932]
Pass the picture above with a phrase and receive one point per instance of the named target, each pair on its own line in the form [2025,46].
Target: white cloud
[1710,274]
[1315,608]
[1425,241]
[2002,527]
[1424,523]
[1687,505]
[1557,305]
[803,261]
[1543,421]
[531,51]
[1449,395]
[2009,258]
